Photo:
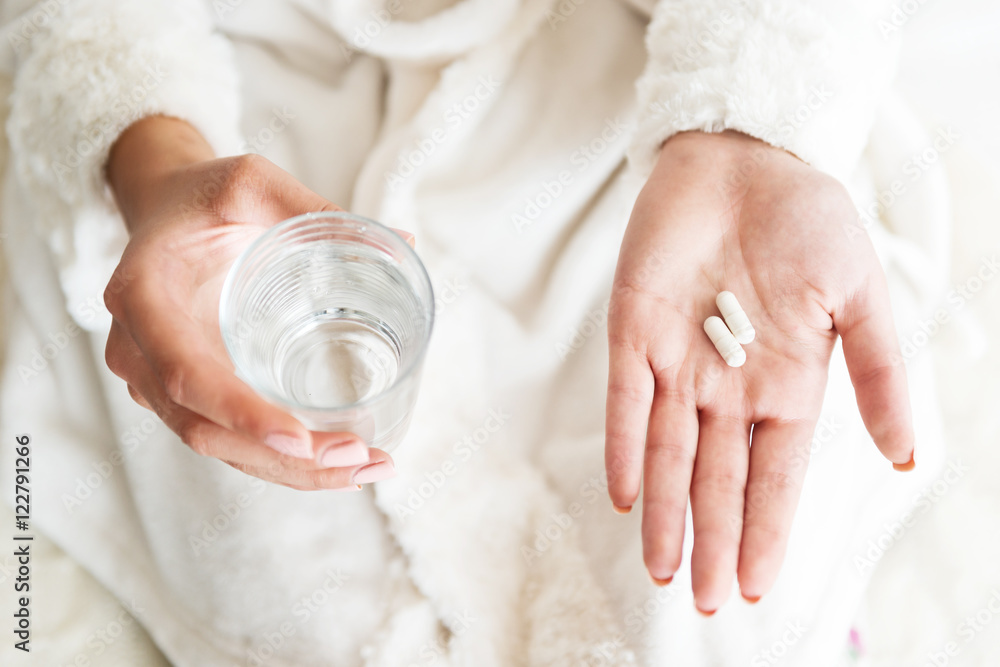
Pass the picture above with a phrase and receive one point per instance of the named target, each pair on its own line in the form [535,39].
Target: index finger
[630,395]
[871,348]
[193,377]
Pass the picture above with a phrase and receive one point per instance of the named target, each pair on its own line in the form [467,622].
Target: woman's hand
[728,212]
[189,216]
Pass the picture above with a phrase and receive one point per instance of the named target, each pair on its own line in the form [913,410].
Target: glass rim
[332,217]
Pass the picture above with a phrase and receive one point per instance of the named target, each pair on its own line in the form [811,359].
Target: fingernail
[375,472]
[751,599]
[706,613]
[905,467]
[351,453]
[290,445]
[621,510]
[662,582]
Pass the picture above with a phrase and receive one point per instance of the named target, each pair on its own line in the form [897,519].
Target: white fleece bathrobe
[496,131]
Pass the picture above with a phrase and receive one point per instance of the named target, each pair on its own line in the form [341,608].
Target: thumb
[289,198]
[877,369]
[286,197]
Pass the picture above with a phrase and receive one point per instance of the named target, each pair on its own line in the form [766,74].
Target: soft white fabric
[518,196]
[812,90]
[98,71]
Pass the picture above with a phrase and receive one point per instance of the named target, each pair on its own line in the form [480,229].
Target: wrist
[729,161]
[713,146]
[143,159]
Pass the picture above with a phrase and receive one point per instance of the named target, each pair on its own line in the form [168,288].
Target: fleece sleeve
[802,75]
[84,71]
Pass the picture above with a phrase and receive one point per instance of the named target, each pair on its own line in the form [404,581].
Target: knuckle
[243,468]
[623,454]
[682,396]
[628,392]
[113,291]
[330,478]
[137,397]
[621,461]
[234,189]
[194,436]
[280,467]
[671,455]
[669,505]
[249,164]
[327,207]
[766,532]
[114,358]
[174,377]
[777,481]
[624,339]
[246,171]
[250,419]
[874,375]
[111,299]
[721,484]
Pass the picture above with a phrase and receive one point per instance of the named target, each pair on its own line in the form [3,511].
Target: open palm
[726,212]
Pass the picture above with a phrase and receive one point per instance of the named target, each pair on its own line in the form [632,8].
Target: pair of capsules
[728,335]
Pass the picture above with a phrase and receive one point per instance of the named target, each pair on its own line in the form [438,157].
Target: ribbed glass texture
[328,315]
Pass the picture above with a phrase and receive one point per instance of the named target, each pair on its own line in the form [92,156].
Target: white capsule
[725,342]
[736,318]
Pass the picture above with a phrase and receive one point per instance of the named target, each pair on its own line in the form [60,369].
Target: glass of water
[328,316]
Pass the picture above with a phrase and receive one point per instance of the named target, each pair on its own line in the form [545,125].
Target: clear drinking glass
[328,316]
